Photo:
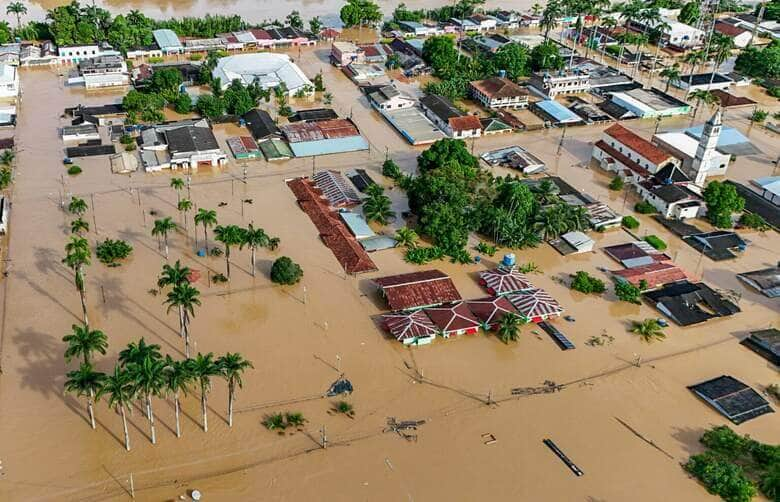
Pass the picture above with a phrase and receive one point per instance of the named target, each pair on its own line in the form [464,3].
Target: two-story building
[101,71]
[9,82]
[561,82]
[499,92]
[630,156]
[345,53]
[389,98]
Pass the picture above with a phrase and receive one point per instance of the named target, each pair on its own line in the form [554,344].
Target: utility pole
[657,124]
[560,143]
[94,221]
[324,438]
[759,18]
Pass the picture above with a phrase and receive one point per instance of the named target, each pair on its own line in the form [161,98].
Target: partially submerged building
[555,113]
[266,68]
[453,319]
[449,119]
[491,310]
[551,84]
[766,343]
[732,398]
[336,189]
[688,303]
[765,281]
[535,305]
[515,157]
[649,103]
[653,274]
[308,139]
[416,290]
[504,280]
[499,92]
[101,71]
[410,328]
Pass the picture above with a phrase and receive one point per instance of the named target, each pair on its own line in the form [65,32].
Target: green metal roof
[166,39]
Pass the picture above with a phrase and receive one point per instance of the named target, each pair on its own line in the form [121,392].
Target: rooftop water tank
[509,260]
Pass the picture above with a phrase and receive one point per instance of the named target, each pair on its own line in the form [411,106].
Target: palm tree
[552,11]
[119,389]
[254,238]
[207,218]
[185,297]
[184,206]
[721,47]
[231,367]
[77,206]
[693,58]
[149,380]
[509,327]
[377,207]
[177,381]
[576,218]
[595,8]
[77,256]
[161,227]
[79,225]
[406,237]
[18,9]
[649,330]
[173,275]
[551,222]
[701,96]
[546,191]
[657,32]
[7,157]
[177,184]
[137,352]
[83,342]
[229,235]
[671,74]
[85,382]
[203,368]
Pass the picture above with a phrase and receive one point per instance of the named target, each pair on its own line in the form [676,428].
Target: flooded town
[390,251]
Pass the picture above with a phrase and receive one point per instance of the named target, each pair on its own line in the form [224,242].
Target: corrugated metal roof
[559,112]
[166,39]
[329,146]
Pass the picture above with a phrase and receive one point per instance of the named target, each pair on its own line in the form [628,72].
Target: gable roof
[499,87]
[732,398]
[336,189]
[465,123]
[535,303]
[452,317]
[492,309]
[681,301]
[190,139]
[766,343]
[503,280]
[638,144]
[260,124]
[729,29]
[671,193]
[441,107]
[655,274]
[766,281]
[418,289]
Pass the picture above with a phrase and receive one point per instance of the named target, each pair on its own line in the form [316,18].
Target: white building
[629,155]
[768,187]
[75,53]
[80,133]
[268,69]
[449,119]
[672,199]
[3,215]
[561,82]
[101,71]
[390,98]
[499,92]
[675,32]
[9,82]
[483,22]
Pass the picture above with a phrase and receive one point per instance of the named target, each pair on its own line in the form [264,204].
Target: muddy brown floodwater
[299,336]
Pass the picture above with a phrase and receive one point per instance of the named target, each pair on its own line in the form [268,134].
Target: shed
[411,328]
[244,147]
[275,149]
[766,343]
[491,310]
[732,398]
[418,289]
[504,280]
[535,305]
[453,319]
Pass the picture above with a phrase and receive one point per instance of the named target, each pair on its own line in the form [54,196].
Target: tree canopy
[690,13]
[546,57]
[764,63]
[360,13]
[722,201]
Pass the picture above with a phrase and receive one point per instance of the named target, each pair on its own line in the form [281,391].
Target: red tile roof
[330,33]
[633,166]
[261,34]
[638,144]
[655,274]
[418,289]
[452,317]
[727,100]
[498,87]
[729,29]
[465,123]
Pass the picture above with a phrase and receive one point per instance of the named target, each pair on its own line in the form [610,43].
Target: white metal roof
[268,68]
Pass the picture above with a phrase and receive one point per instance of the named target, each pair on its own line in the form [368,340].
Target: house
[464,24]
[560,82]
[329,34]
[635,254]
[573,243]
[508,19]
[244,148]
[275,149]
[492,125]
[590,113]
[732,398]
[361,179]
[504,280]
[491,310]
[75,53]
[688,303]
[515,157]
[453,319]
[98,115]
[388,97]
[335,189]
[313,115]
[489,44]
[601,216]
[375,53]
[449,119]
[324,137]
[766,281]
[654,274]
[499,92]
[360,73]
[3,215]
[416,290]
[410,328]
[205,44]
[149,51]
[38,55]
[168,41]
[766,343]
[672,200]
[727,100]
[415,29]
[344,53]
[649,103]
[535,305]
[630,156]
[673,32]
[703,82]
[768,188]
[80,133]
[413,125]
[741,36]
[260,124]
[483,22]
[9,82]
[101,71]
[555,113]
[193,147]
[9,53]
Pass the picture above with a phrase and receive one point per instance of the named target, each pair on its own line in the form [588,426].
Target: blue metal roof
[377,243]
[166,39]
[559,112]
[357,224]
[328,146]
[728,135]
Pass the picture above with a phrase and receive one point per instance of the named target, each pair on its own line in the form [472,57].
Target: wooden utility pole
[94,221]
[324,438]
[560,143]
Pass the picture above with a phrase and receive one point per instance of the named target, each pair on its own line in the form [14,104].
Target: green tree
[722,201]
[253,238]
[173,275]
[144,105]
[585,283]
[183,103]
[514,59]
[18,9]
[552,11]
[616,183]
[77,206]
[546,57]
[184,297]
[627,292]
[228,235]
[360,13]
[671,74]
[119,389]
[509,327]
[721,478]
[391,170]
[319,86]
[701,96]
[6,177]
[78,226]
[294,19]
[315,25]
[207,218]
[203,368]
[136,353]
[377,207]
[162,227]
[77,256]
[285,271]
[149,380]
[232,367]
[7,157]
[184,206]
[110,251]
[210,106]
[167,83]
[237,99]
[177,378]
[177,184]
[648,330]
[406,237]
[440,52]
[690,13]
[85,382]
[83,342]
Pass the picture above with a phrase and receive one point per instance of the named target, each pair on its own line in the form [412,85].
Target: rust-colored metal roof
[503,280]
[499,87]
[409,325]
[452,317]
[337,128]
[655,274]
[418,289]
[638,144]
[465,123]
[492,309]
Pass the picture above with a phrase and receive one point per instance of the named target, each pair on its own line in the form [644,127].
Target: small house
[765,281]
[504,280]
[449,119]
[388,97]
[766,343]
[244,148]
[732,398]
[416,290]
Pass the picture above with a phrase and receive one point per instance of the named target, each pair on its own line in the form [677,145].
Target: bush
[421,256]
[195,57]
[110,251]
[644,207]
[627,292]
[485,248]
[630,222]
[754,221]
[130,147]
[721,477]
[759,116]
[155,59]
[285,271]
[616,184]
[126,139]
[391,169]
[656,242]
[585,283]
[74,170]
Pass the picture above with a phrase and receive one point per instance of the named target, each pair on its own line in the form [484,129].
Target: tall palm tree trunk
[252,267]
[181,321]
[186,335]
[82,294]
[203,407]
[231,397]
[227,260]
[165,238]
[91,409]
[124,426]
[206,237]
[150,416]
[176,407]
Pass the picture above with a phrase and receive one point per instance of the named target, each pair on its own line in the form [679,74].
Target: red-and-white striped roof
[452,317]
[492,309]
[504,280]
[535,303]
[414,325]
